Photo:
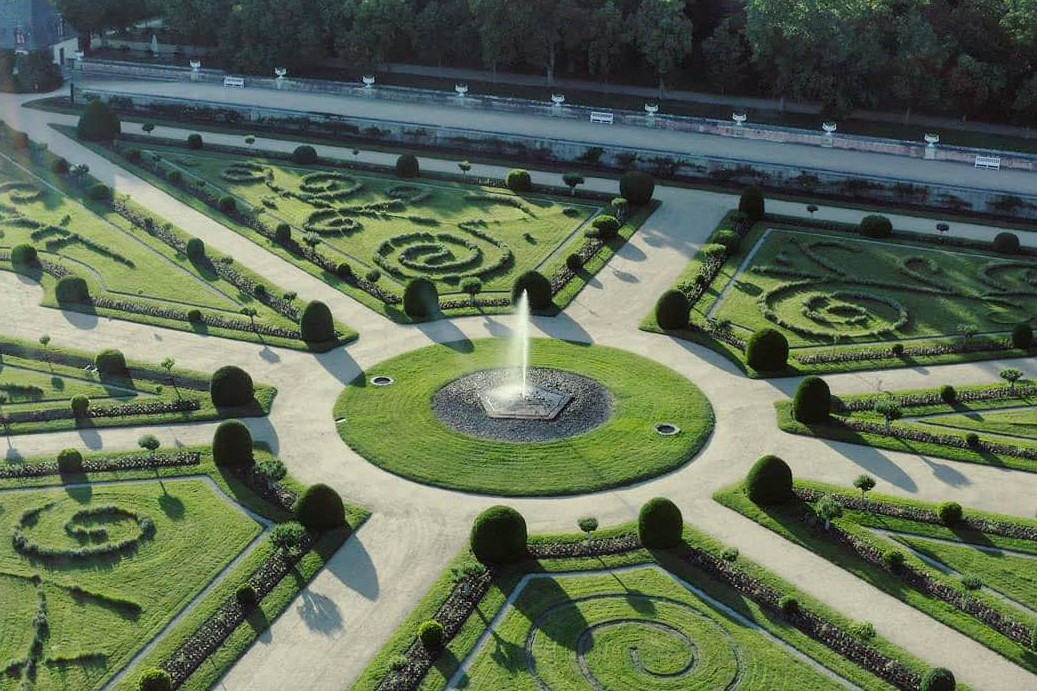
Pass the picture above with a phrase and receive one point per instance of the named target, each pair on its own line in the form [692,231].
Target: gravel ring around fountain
[397,429]
[458,406]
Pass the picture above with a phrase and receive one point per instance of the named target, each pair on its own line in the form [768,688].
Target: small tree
[356,155]
[472,286]
[890,410]
[588,525]
[572,180]
[168,365]
[620,208]
[465,166]
[44,342]
[967,331]
[148,127]
[828,509]
[865,483]
[149,442]
[286,537]
[251,313]
[1011,375]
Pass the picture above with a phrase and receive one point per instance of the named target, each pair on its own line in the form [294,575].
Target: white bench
[988,162]
[605,118]
[235,82]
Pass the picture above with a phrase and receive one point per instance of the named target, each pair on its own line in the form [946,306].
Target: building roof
[31,25]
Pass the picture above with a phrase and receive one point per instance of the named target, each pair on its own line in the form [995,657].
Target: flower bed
[180,405]
[929,398]
[105,464]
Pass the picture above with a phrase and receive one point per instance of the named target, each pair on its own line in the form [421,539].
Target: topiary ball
[729,239]
[194,315]
[420,298]
[232,444]
[246,596]
[316,323]
[282,233]
[950,512]
[1006,243]
[875,226]
[813,401]
[320,508]
[99,192]
[572,262]
[24,256]
[227,204]
[194,141]
[304,154]
[767,351]
[637,187]
[537,289]
[518,180]
[70,461]
[231,386]
[752,203]
[71,289]
[938,679]
[111,362]
[80,405]
[607,226]
[195,249]
[1022,336]
[98,123]
[660,524]
[431,634]
[948,394]
[769,481]
[154,679]
[672,310]
[499,536]
[407,166]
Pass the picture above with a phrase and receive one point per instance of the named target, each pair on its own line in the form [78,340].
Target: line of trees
[970,58]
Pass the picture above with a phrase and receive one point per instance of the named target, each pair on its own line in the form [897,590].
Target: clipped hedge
[637,187]
[231,386]
[304,154]
[317,324]
[70,461]
[111,362]
[607,226]
[519,180]
[420,298]
[1022,336]
[195,249]
[24,255]
[767,350]
[813,401]
[232,444]
[660,524]
[769,481]
[672,310]
[1006,243]
[875,226]
[752,204]
[320,508]
[938,679]
[98,123]
[407,166]
[71,289]
[537,289]
[499,536]
[194,141]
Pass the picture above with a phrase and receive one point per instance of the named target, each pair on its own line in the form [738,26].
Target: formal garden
[629,419]
[107,550]
[381,234]
[971,570]
[785,295]
[993,424]
[45,387]
[107,256]
[656,605]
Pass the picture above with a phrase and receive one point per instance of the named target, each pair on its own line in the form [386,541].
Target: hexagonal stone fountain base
[533,403]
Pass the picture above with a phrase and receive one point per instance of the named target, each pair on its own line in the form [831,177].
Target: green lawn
[396,428]
[1011,423]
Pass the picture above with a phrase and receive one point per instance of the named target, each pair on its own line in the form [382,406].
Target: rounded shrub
[227,204]
[320,508]
[111,362]
[175,177]
[813,401]
[892,558]
[499,536]
[154,679]
[637,187]
[950,512]
[672,310]
[282,233]
[98,123]
[660,524]
[80,405]
[304,154]
[195,249]
[607,226]
[24,255]
[194,315]
[430,633]
[751,203]
[938,679]
[70,461]
[537,289]
[1006,243]
[344,271]
[729,239]
[99,192]
[875,226]
[788,604]
[572,262]
[518,180]
[972,439]
[420,298]
[246,596]
[948,394]
[60,166]
[232,444]
[767,351]
[1022,336]
[194,141]
[317,324]
[71,289]
[407,166]
[769,481]
[231,386]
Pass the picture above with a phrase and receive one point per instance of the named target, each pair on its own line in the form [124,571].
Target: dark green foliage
[195,249]
[573,263]
[972,439]
[875,226]
[536,287]
[80,405]
[1022,336]
[231,386]
[938,679]
[767,351]
[304,154]
[227,204]
[430,633]
[672,309]
[175,177]
[232,444]
[24,255]
[813,401]
[111,362]
[660,524]
[420,298]
[949,512]
[320,508]
[154,679]
[892,558]
[637,187]
[499,536]
[1006,243]
[71,289]
[344,271]
[70,461]
[407,166]
[283,233]
[519,181]
[607,226]
[98,123]
[132,154]
[317,324]
[194,141]
[1033,637]
[752,203]
[948,393]
[60,165]
[246,596]
[788,604]
[729,239]
[99,192]
[769,481]
[194,315]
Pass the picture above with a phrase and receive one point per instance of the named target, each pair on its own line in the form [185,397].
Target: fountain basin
[524,403]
